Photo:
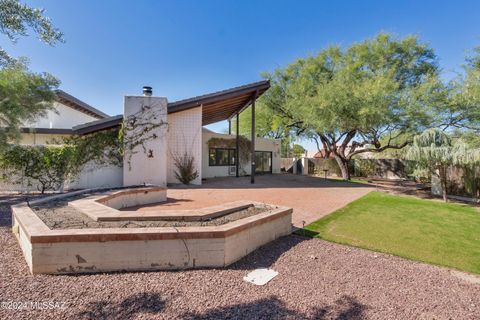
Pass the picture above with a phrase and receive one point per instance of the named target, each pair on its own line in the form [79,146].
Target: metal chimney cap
[147,91]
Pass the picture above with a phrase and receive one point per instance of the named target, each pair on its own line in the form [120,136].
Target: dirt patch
[58,214]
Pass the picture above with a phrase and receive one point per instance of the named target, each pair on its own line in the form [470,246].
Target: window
[221,157]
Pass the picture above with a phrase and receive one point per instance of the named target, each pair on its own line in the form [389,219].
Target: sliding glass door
[263,162]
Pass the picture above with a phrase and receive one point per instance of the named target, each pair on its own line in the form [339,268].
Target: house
[184,132]
[66,113]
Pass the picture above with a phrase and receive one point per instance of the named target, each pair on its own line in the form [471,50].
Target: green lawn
[445,234]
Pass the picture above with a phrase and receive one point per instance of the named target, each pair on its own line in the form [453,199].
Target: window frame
[217,156]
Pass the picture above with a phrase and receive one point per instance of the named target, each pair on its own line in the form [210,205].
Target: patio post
[229,126]
[237,145]
[252,151]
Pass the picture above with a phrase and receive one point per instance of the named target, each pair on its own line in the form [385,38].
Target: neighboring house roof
[321,154]
[79,105]
[217,106]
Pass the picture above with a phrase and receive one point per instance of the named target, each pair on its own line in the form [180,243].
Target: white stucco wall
[184,135]
[61,117]
[261,144]
[92,176]
[146,163]
[35,139]
[98,176]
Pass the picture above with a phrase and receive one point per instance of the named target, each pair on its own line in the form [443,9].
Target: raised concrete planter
[133,197]
[58,251]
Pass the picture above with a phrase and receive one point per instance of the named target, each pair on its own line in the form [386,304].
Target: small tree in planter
[434,152]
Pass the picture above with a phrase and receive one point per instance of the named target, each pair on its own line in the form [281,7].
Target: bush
[185,165]
[364,167]
[49,166]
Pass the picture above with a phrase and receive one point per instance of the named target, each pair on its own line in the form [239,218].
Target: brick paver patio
[310,197]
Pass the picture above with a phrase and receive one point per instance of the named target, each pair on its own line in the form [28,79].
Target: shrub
[185,165]
[364,167]
[49,166]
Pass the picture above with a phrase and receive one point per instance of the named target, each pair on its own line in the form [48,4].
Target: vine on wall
[52,165]
[140,128]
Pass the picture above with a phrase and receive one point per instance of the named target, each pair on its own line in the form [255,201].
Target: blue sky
[187,48]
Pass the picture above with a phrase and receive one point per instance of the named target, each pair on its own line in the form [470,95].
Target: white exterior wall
[141,167]
[35,139]
[184,135]
[61,117]
[273,145]
[261,144]
[98,176]
[92,176]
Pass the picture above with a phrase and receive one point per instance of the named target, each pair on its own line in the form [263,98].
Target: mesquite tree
[24,95]
[17,18]
[365,98]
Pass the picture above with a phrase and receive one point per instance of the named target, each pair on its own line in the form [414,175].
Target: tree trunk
[443,182]
[343,164]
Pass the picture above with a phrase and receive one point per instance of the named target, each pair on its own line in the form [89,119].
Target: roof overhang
[217,106]
[47,130]
[79,105]
[222,105]
[102,124]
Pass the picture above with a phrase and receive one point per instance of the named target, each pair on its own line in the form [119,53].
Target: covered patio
[227,105]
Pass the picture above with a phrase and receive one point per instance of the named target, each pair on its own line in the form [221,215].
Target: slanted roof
[217,106]
[98,125]
[79,105]
[47,130]
[222,105]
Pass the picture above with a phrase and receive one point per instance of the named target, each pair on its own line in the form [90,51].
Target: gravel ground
[317,280]
[58,215]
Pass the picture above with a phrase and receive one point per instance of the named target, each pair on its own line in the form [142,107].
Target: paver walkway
[310,197]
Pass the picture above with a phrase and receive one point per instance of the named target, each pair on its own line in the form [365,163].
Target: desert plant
[186,171]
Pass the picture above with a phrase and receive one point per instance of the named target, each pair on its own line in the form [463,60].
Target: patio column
[237,146]
[252,151]
[229,126]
